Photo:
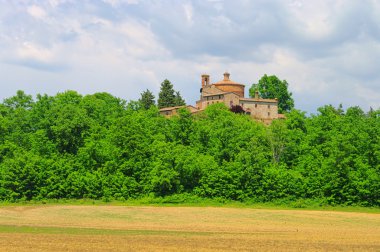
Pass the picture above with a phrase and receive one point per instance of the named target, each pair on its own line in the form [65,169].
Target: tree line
[167,97]
[101,147]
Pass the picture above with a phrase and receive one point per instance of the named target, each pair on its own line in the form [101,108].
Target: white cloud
[218,4]
[56,3]
[221,22]
[125,39]
[116,3]
[369,97]
[188,9]
[328,51]
[359,59]
[30,51]
[311,23]
[36,12]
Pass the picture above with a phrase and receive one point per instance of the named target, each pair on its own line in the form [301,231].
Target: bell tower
[205,80]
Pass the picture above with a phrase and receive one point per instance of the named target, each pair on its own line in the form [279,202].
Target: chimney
[256,94]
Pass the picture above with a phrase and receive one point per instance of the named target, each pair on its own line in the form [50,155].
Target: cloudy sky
[327,50]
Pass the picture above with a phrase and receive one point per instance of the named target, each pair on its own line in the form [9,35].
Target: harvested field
[118,228]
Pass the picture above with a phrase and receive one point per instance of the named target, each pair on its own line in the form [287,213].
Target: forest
[73,146]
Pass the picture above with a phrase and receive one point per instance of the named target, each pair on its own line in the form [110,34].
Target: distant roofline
[259,100]
[176,107]
[221,83]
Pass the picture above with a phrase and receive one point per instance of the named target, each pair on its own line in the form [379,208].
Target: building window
[255,105]
[268,106]
[268,114]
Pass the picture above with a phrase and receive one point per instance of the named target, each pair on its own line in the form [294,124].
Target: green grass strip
[92,231]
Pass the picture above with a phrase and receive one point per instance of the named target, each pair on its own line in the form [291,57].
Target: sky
[327,50]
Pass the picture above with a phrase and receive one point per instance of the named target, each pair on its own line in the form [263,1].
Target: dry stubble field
[129,228]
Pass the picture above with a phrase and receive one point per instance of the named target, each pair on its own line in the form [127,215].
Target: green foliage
[70,146]
[147,99]
[271,87]
[168,97]
[178,100]
[20,100]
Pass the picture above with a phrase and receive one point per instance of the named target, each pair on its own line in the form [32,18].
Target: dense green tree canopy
[271,87]
[100,147]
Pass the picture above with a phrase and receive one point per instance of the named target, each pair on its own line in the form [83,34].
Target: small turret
[205,80]
[226,76]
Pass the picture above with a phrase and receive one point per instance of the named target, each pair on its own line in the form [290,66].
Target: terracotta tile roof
[212,90]
[227,82]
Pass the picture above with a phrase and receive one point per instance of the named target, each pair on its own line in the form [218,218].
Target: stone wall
[260,109]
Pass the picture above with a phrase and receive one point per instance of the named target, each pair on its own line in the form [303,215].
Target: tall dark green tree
[166,97]
[178,100]
[270,87]
[147,99]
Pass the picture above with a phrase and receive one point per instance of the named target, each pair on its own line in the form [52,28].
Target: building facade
[231,94]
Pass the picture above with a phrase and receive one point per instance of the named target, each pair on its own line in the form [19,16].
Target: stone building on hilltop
[231,94]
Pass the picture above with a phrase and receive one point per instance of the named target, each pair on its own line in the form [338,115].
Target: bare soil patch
[119,228]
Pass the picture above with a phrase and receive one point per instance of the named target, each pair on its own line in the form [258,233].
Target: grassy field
[131,228]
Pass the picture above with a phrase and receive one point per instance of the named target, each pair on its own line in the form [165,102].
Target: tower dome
[228,85]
